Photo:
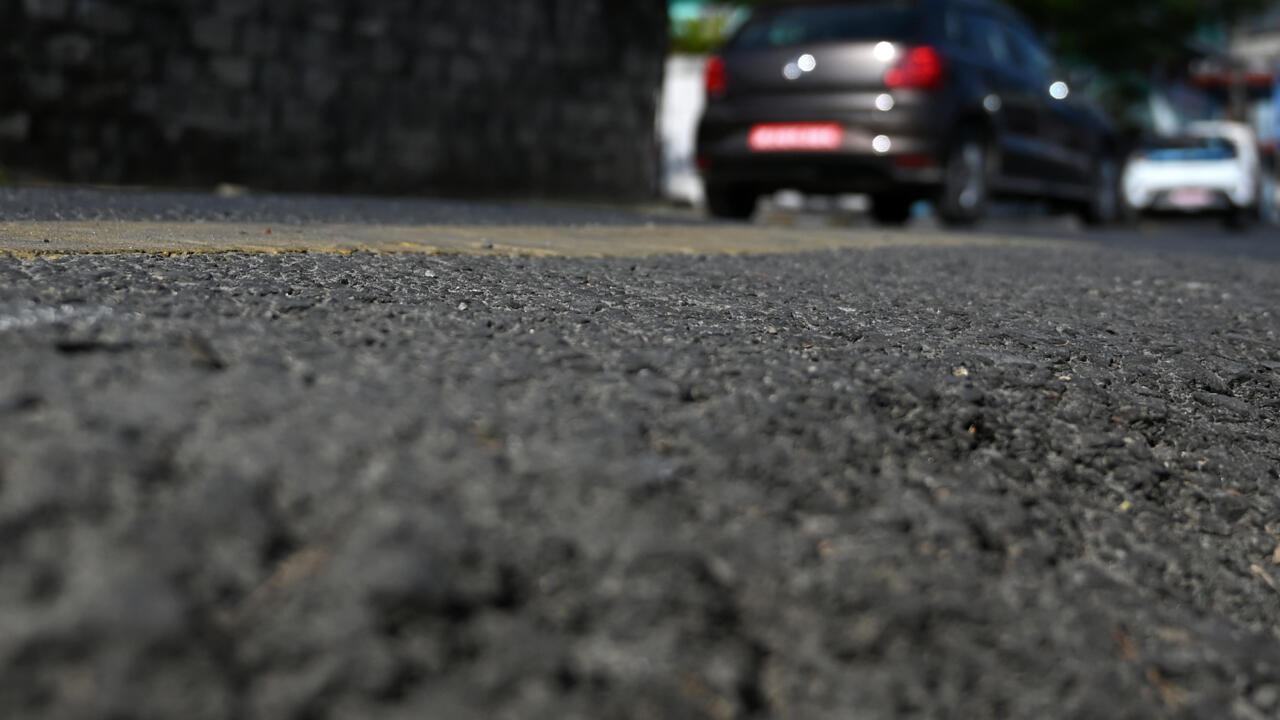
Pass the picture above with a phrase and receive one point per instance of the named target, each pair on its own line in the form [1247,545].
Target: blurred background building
[1238,73]
[554,97]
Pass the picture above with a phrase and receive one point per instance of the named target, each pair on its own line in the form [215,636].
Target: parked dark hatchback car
[954,101]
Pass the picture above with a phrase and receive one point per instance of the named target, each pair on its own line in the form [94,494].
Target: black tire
[890,209]
[966,189]
[1105,204]
[731,202]
[1240,219]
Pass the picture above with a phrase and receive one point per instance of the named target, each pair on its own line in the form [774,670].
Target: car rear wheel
[889,209]
[1104,206]
[1240,218]
[963,199]
[731,202]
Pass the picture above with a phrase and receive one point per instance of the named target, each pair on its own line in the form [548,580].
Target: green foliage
[4,176]
[1132,42]
[1122,36]
[700,35]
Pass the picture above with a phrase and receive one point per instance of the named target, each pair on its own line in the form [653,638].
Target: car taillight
[716,77]
[920,69]
[914,161]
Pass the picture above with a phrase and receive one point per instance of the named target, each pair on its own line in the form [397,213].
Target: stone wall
[551,97]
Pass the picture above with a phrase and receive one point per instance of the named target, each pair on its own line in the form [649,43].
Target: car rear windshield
[1193,148]
[783,27]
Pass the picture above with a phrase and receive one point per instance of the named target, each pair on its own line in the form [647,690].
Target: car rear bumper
[898,150]
[1189,198]
[824,172]
[1167,202]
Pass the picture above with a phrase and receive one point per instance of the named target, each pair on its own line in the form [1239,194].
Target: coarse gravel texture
[909,482]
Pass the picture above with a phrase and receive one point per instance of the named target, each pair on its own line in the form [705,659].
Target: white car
[1212,168]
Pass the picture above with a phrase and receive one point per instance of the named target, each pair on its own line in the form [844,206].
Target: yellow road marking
[39,238]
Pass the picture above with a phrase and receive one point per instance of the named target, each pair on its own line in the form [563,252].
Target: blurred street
[321,220]
[1167,234]
[468,460]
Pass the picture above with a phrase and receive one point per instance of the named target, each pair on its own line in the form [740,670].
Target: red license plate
[779,137]
[1190,198]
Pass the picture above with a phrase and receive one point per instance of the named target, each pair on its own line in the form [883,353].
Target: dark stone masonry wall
[549,97]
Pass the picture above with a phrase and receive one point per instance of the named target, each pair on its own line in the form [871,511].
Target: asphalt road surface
[704,476]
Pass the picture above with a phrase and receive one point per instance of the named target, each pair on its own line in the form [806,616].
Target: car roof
[782,4]
[775,5]
[993,6]
[1221,128]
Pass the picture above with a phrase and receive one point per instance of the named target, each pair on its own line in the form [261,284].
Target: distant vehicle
[1212,168]
[954,101]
